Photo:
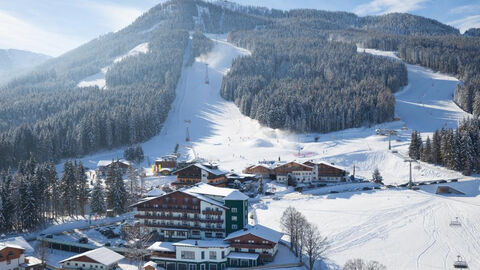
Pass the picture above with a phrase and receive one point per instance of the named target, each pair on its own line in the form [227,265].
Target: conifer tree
[97,201]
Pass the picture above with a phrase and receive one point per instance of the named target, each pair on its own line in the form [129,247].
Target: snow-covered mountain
[16,62]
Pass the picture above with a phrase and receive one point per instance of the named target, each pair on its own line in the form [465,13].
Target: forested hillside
[298,77]
[298,80]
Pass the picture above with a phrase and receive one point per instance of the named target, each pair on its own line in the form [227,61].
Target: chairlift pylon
[455,222]
[460,263]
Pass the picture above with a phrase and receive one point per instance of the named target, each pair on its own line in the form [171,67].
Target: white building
[99,259]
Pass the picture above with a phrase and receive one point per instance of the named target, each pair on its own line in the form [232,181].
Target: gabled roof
[226,193]
[162,246]
[103,163]
[236,196]
[16,242]
[101,255]
[259,231]
[295,162]
[332,165]
[155,192]
[203,167]
[202,243]
[198,196]
[206,199]
[150,263]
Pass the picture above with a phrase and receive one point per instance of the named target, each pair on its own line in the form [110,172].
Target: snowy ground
[402,229]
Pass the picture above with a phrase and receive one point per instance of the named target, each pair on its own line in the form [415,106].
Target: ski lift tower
[187,137]
[460,263]
[207,81]
[410,184]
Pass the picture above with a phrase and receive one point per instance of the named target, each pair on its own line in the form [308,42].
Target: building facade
[249,247]
[11,257]
[98,259]
[200,173]
[200,212]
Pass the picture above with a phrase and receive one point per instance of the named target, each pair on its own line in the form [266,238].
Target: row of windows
[190,255]
[83,265]
[251,241]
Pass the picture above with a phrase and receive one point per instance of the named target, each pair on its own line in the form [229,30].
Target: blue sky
[56,26]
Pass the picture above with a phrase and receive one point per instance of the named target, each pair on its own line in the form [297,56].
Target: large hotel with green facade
[205,228]
[199,212]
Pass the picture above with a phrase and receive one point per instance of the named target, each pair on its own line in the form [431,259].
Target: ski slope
[402,229]
[98,79]
[219,132]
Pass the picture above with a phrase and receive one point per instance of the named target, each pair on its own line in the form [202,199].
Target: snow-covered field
[402,229]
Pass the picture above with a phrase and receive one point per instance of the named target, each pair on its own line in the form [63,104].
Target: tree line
[457,149]
[34,195]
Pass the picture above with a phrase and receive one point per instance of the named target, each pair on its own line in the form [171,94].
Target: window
[223,254]
[212,255]
[234,226]
[234,218]
[251,250]
[192,267]
[234,210]
[251,241]
[187,255]
[203,255]
[237,240]
[219,235]
[212,267]
[185,200]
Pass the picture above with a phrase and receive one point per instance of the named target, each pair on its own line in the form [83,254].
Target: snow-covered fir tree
[97,201]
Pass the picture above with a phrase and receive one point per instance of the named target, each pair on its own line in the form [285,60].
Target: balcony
[183,227]
[251,246]
[169,210]
[210,211]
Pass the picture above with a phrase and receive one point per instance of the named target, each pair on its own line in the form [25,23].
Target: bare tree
[359,264]
[137,238]
[41,251]
[314,244]
[300,230]
[288,223]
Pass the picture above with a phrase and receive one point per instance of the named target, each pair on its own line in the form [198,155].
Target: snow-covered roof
[101,255]
[226,193]
[259,231]
[202,243]
[332,165]
[103,163]
[235,196]
[205,168]
[205,198]
[242,255]
[16,242]
[155,192]
[31,261]
[162,246]
[206,189]
[150,263]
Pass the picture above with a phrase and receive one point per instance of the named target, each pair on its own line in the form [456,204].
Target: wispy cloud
[467,23]
[54,27]
[376,7]
[114,16]
[466,9]
[20,34]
